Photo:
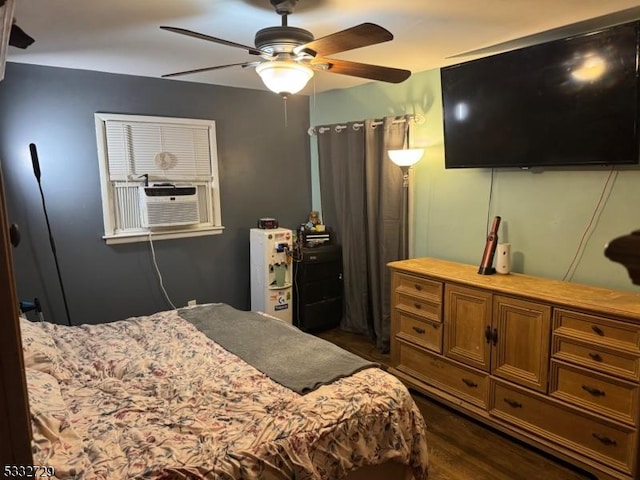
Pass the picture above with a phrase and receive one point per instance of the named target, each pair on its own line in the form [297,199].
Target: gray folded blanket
[295,359]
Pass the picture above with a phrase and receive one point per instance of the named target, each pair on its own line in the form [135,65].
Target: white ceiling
[123,36]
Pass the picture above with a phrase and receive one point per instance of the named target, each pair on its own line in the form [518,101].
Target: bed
[184,394]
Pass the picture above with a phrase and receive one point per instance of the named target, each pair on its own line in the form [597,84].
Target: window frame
[107,188]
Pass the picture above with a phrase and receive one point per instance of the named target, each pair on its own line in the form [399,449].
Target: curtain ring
[339,128]
[416,119]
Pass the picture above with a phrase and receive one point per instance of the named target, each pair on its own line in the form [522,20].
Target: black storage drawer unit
[317,288]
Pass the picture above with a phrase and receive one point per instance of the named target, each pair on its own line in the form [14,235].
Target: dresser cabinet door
[521,338]
[467,326]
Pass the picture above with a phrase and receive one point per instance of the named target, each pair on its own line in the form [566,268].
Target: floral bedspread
[152,397]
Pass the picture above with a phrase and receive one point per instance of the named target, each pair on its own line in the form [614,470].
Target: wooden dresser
[551,363]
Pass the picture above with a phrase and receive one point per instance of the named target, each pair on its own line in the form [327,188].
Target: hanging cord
[155,264]
[37,173]
[314,92]
[596,212]
[490,200]
[284,102]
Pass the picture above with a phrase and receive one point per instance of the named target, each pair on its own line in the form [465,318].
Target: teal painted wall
[545,213]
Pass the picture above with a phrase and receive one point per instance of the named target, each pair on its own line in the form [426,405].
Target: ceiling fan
[289,56]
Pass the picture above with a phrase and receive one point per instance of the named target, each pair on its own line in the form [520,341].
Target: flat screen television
[561,103]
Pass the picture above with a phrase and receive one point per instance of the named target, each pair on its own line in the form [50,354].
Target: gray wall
[264,171]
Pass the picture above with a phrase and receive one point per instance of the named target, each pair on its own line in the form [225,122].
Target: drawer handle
[598,330]
[487,334]
[419,330]
[593,391]
[595,356]
[604,439]
[494,336]
[512,403]
[418,287]
[469,383]
[417,305]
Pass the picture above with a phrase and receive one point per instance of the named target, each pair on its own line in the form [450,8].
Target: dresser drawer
[425,334]
[603,331]
[600,358]
[586,389]
[419,307]
[465,383]
[607,442]
[419,287]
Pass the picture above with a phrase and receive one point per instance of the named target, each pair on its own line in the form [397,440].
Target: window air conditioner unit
[169,206]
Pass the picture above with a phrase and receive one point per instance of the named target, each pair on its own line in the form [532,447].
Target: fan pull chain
[284,102]
[314,92]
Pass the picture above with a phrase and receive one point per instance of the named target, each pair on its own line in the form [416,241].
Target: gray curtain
[361,192]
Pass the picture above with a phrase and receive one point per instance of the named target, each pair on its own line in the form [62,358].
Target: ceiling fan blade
[585,26]
[207,69]
[202,36]
[361,35]
[363,70]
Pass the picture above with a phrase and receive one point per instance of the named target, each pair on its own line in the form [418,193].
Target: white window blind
[137,148]
[133,150]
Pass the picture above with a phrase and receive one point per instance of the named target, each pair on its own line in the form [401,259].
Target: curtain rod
[356,126]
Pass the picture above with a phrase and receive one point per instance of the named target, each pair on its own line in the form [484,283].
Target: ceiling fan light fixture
[284,77]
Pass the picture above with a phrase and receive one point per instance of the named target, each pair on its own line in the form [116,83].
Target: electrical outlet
[191,303]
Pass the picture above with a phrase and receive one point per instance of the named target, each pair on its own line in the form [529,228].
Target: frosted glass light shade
[405,157]
[284,77]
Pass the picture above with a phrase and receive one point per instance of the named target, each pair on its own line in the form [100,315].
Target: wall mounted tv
[561,103]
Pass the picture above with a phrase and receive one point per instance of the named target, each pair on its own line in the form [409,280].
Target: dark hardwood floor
[461,448]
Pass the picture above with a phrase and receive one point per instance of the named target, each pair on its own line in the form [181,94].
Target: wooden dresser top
[592,299]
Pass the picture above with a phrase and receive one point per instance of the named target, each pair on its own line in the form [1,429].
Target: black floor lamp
[405,158]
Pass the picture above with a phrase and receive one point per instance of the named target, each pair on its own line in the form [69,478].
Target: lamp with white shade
[405,158]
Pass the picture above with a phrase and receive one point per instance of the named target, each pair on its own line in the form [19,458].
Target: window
[157,175]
